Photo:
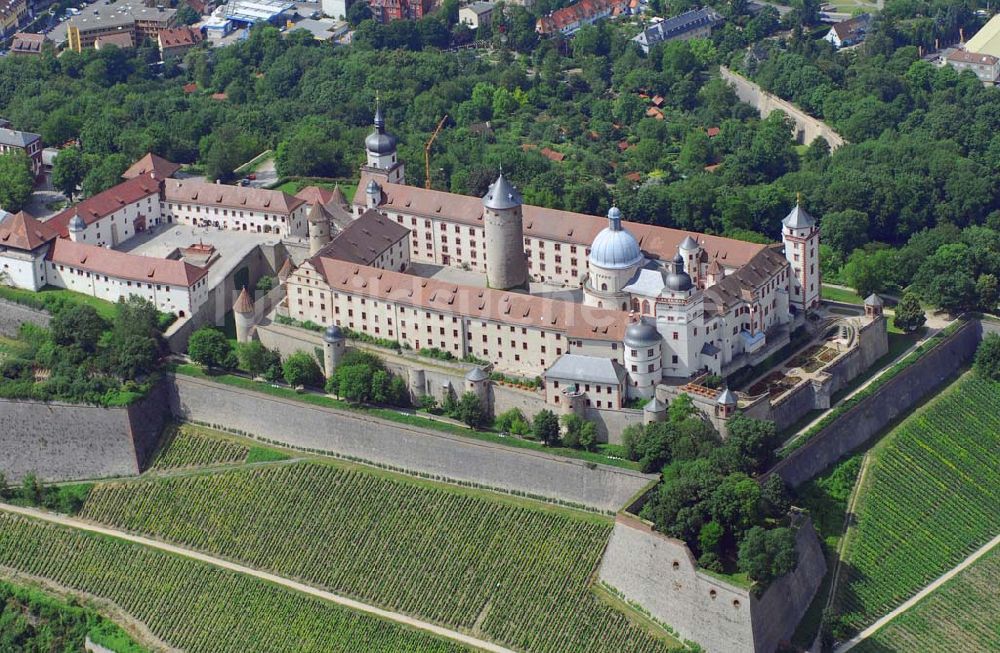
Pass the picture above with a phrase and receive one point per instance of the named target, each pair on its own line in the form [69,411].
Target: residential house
[176,41]
[849,32]
[12,140]
[476,14]
[569,20]
[985,66]
[24,43]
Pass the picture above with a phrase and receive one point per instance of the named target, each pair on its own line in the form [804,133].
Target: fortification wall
[660,574]
[62,442]
[370,439]
[778,611]
[807,128]
[13,315]
[791,406]
[870,415]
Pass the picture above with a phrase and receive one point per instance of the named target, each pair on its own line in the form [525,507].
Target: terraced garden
[500,568]
[197,607]
[931,498]
[961,615]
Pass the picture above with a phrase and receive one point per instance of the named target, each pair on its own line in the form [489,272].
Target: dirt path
[916,598]
[277,580]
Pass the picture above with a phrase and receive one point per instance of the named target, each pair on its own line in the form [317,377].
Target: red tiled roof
[315,195]
[27,43]
[219,97]
[653,112]
[121,265]
[190,88]
[657,100]
[178,37]
[151,163]
[713,132]
[191,191]
[551,224]
[105,203]
[633,176]
[243,304]
[571,318]
[552,155]
[580,11]
[23,231]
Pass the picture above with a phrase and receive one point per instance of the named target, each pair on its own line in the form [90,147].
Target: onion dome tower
[380,149]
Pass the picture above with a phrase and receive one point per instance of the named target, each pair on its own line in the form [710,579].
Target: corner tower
[800,235]
[380,150]
[506,264]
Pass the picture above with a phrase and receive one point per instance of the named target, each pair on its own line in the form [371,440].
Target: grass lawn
[397,416]
[104,308]
[295,185]
[840,295]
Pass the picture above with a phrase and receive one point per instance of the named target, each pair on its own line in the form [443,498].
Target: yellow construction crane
[427,153]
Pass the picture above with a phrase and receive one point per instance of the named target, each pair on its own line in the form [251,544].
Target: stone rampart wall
[660,574]
[872,414]
[807,128]
[62,442]
[414,449]
[791,406]
[13,315]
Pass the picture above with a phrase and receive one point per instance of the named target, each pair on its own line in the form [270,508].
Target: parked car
[244,182]
[252,176]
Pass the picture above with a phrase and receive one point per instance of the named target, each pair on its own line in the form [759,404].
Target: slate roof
[365,239]
[739,286]
[588,369]
[678,25]
[15,138]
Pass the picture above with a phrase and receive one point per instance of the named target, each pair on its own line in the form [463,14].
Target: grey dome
[476,374]
[380,143]
[501,195]
[689,244]
[727,398]
[333,334]
[615,248]
[76,223]
[641,334]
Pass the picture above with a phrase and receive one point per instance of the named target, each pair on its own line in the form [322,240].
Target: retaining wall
[807,128]
[409,448]
[872,414]
[660,574]
[13,315]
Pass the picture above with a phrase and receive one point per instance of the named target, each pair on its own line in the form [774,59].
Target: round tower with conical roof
[243,317]
[334,346]
[506,264]
[319,228]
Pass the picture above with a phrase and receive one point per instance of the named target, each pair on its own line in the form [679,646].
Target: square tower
[800,235]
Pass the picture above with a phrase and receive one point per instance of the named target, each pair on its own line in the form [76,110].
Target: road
[396,617]
[916,598]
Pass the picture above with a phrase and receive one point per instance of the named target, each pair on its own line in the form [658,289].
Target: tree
[845,230]
[765,555]
[301,369]
[256,359]
[186,15]
[512,421]
[987,364]
[380,387]
[909,314]
[32,489]
[80,325]
[15,171]
[545,427]
[987,289]
[357,12]
[209,347]
[104,173]
[751,441]
[470,410]
[774,494]
[710,537]
[68,171]
[352,382]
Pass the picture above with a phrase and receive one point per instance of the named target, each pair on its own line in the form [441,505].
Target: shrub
[301,369]
[987,364]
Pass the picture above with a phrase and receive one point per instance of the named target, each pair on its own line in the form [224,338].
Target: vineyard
[961,615]
[931,499]
[500,568]
[195,606]
[186,445]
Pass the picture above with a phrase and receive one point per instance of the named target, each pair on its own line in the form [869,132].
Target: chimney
[961,35]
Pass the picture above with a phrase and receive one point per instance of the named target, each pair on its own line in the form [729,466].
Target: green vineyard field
[504,569]
[197,607]
[961,615]
[931,499]
[187,446]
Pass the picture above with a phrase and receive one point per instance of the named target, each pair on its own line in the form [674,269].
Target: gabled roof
[365,239]
[121,265]
[852,27]
[16,138]
[962,56]
[740,285]
[587,369]
[561,226]
[315,195]
[178,37]
[23,231]
[152,164]
[27,43]
[986,40]
[571,318]
[190,191]
[107,202]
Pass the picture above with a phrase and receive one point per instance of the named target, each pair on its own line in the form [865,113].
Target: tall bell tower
[800,235]
[380,150]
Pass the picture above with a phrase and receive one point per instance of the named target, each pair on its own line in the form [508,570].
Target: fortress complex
[658,303]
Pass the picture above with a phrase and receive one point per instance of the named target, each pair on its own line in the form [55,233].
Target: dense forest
[912,196]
